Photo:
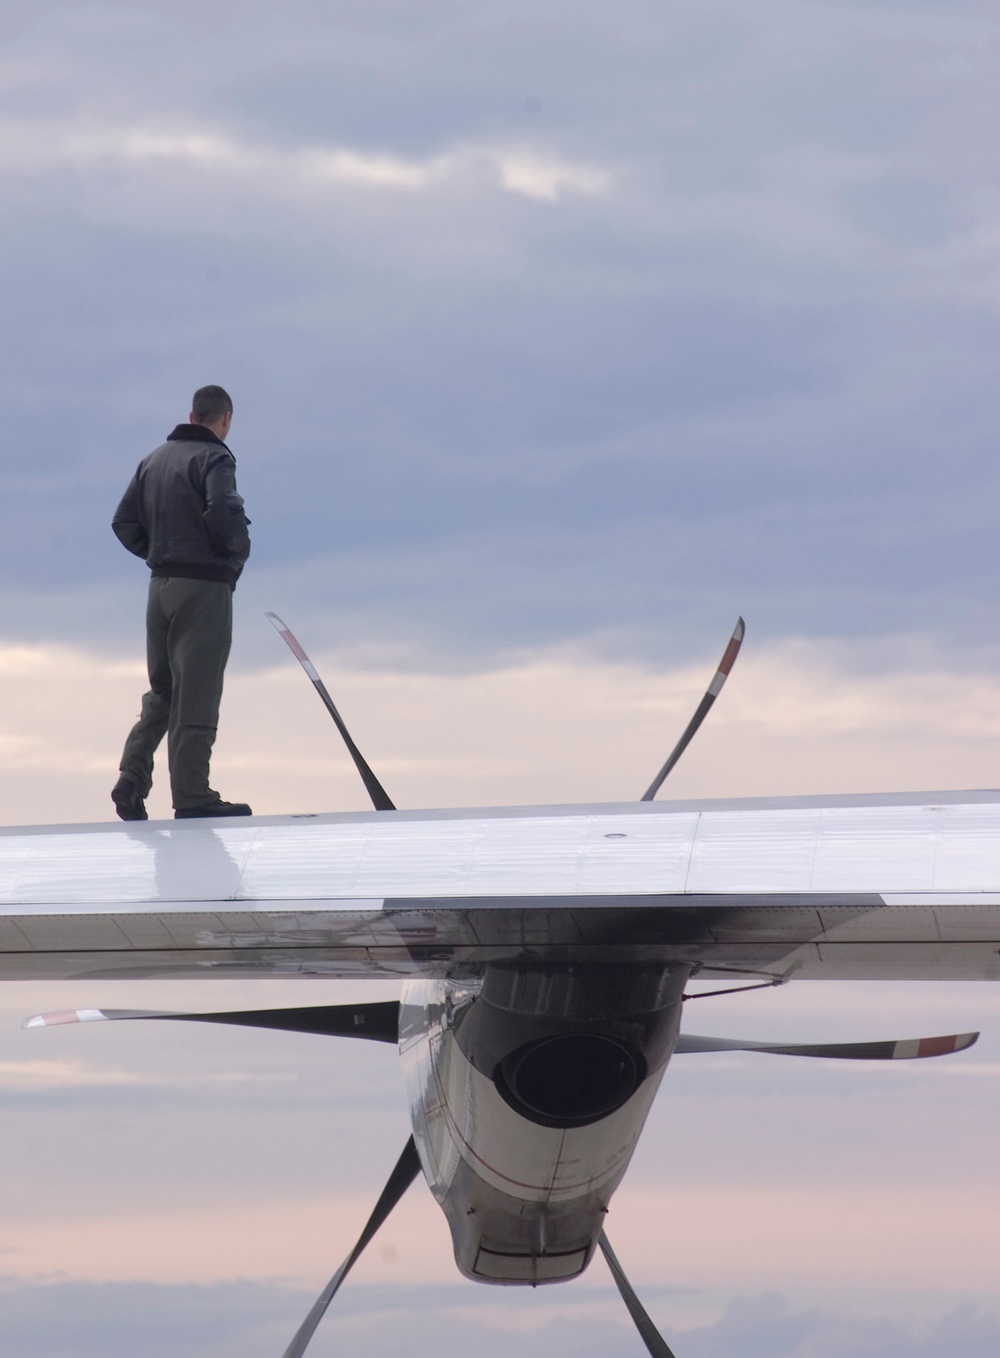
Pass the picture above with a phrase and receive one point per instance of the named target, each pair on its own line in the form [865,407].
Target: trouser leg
[200,635]
[141,744]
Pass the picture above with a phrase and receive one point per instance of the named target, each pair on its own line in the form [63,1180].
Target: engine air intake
[570,1080]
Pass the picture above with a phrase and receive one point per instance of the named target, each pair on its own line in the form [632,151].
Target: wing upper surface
[760,884]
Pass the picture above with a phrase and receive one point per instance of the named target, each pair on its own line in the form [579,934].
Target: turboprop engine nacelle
[528,1091]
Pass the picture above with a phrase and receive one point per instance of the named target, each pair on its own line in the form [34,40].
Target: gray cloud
[255,1321]
[748,365]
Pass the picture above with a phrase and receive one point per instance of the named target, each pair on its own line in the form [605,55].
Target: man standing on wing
[183,515]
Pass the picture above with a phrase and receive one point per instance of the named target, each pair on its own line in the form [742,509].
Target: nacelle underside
[527,1101]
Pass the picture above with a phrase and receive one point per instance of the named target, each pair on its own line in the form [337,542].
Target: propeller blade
[407,1169]
[711,693]
[656,1345]
[909,1049]
[376,791]
[377,1022]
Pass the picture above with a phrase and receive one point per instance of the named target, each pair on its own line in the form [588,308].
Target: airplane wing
[904,886]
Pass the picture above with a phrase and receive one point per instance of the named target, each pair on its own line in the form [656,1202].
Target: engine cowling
[528,1092]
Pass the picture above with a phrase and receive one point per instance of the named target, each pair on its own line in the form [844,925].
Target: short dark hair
[209,404]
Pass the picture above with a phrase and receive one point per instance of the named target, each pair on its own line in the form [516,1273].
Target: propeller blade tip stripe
[57,1017]
[732,651]
[912,1049]
[291,642]
[944,1046]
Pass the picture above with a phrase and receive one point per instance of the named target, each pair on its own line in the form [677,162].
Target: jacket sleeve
[127,523]
[225,521]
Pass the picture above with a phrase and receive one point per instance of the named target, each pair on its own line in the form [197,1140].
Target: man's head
[212,408]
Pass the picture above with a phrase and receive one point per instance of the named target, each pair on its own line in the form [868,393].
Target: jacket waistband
[220,574]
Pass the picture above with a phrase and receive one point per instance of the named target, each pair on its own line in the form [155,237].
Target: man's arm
[224,518]
[127,522]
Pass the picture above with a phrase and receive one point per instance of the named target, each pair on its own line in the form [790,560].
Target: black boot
[218,808]
[128,803]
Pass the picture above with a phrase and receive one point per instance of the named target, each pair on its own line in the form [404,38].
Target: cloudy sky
[559,335]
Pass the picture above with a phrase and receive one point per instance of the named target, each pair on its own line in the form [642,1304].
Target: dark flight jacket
[182,512]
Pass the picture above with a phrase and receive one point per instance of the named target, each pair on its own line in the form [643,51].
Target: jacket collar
[194,433]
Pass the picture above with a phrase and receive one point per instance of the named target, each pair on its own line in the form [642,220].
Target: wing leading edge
[872,887]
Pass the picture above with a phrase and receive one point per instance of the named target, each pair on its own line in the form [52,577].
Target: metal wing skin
[871,887]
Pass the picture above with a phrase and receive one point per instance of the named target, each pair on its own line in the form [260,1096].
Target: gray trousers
[189,629]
